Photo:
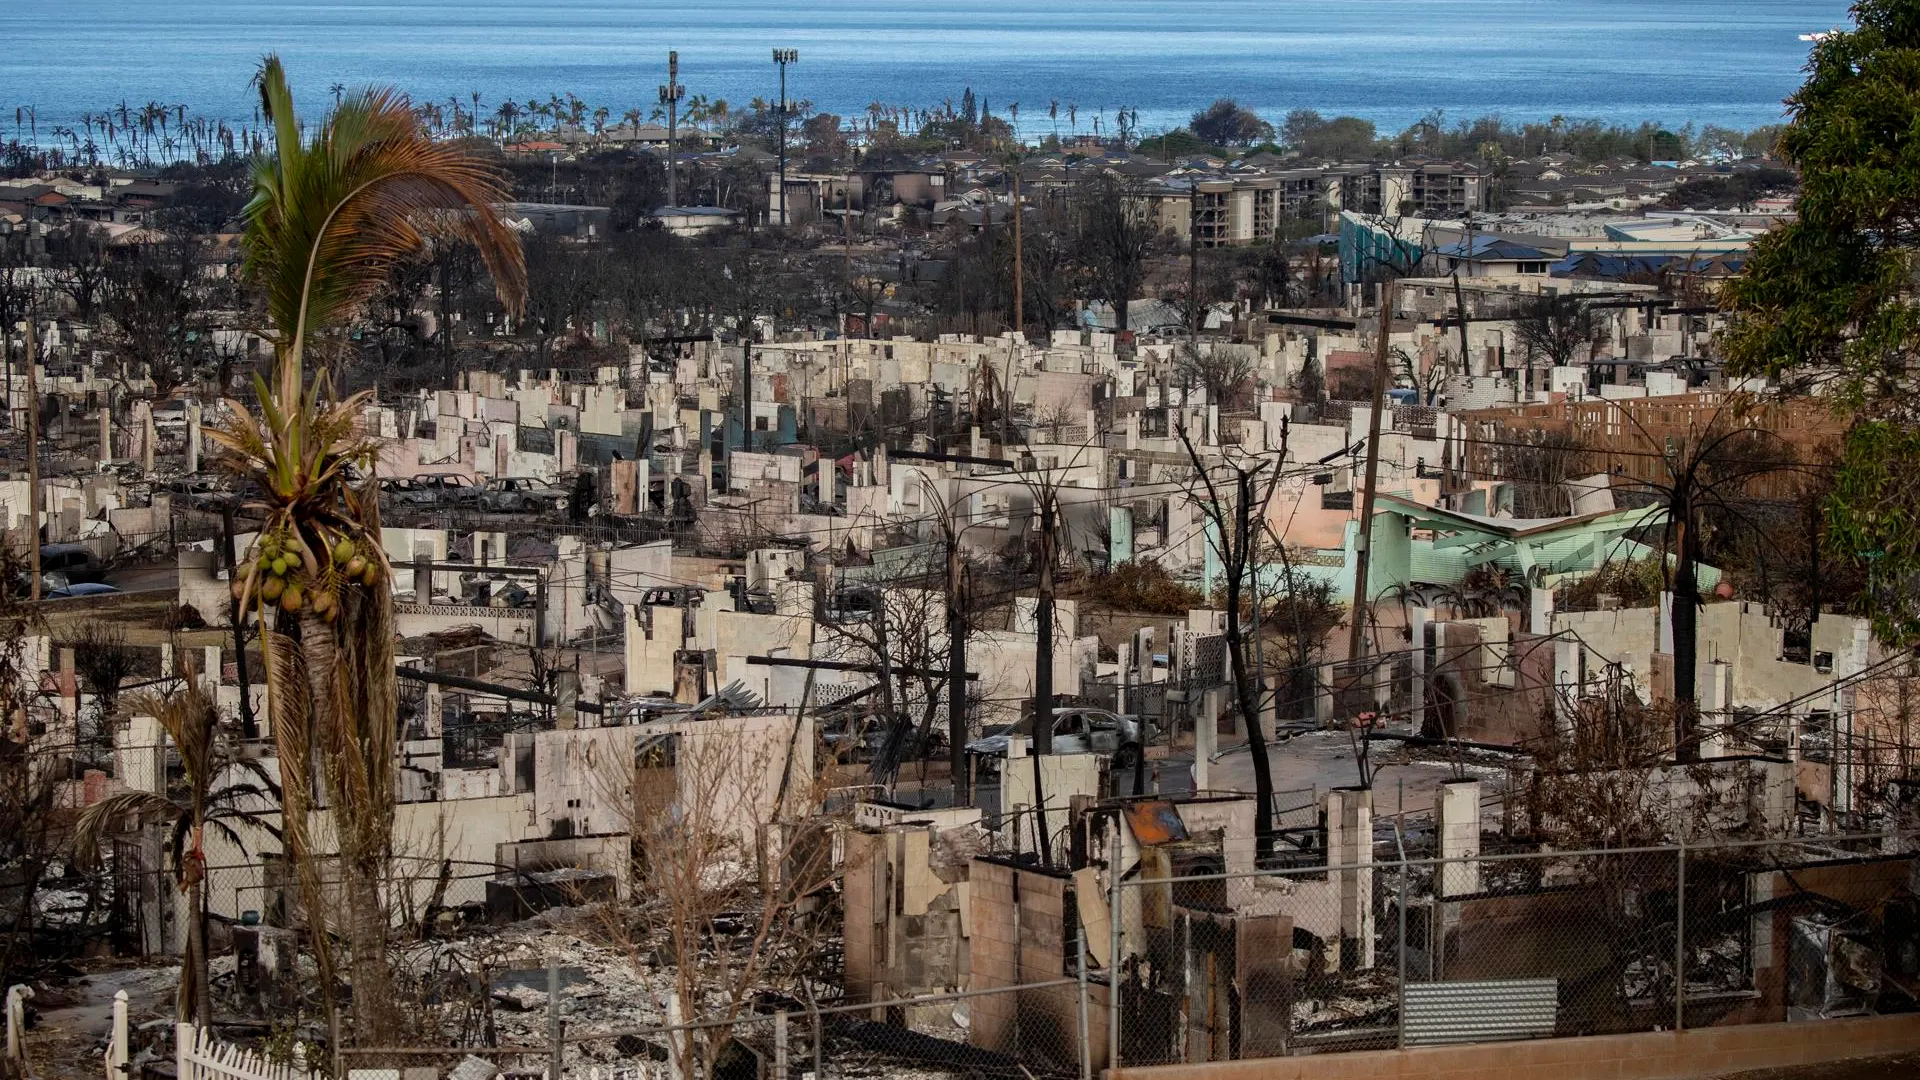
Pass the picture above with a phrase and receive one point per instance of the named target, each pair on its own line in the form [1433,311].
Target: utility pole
[1019,267]
[6,358]
[33,456]
[781,58]
[957,668]
[1363,544]
[957,607]
[670,94]
[1043,672]
[750,325]
[1043,629]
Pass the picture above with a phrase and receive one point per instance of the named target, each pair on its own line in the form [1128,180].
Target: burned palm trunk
[957,731]
[1685,610]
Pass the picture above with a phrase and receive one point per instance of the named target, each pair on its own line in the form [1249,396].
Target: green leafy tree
[1347,138]
[1828,300]
[1227,123]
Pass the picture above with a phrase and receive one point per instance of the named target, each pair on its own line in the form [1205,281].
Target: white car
[1077,729]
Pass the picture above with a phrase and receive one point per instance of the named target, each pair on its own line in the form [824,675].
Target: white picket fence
[201,1056]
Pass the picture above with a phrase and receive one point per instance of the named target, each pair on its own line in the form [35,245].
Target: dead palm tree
[217,792]
[330,217]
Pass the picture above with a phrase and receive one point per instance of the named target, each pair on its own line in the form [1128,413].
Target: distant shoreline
[1722,62]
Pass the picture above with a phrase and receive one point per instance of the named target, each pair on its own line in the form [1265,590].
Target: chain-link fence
[1356,954]
[1337,950]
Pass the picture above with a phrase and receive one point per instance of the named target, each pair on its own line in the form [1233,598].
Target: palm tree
[329,218]
[208,797]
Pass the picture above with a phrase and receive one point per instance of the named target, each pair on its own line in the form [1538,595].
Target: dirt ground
[1880,1068]
[75,1018]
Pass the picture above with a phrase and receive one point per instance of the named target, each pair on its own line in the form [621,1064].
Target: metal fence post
[1086,1033]
[1400,1007]
[1680,939]
[819,1041]
[1400,991]
[782,1069]
[556,1052]
[335,1044]
[1113,952]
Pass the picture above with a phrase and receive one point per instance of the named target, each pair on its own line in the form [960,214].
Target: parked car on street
[1077,729]
[399,491]
[521,495]
[431,491]
[76,561]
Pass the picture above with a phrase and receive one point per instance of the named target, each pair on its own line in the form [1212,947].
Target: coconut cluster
[283,569]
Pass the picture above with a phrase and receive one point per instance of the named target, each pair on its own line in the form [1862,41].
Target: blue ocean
[1065,64]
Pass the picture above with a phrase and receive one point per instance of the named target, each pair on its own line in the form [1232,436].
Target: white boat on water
[1818,35]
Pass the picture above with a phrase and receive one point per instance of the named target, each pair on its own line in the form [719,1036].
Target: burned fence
[1355,953]
[1361,955]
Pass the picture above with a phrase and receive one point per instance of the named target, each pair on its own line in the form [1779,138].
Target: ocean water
[1726,62]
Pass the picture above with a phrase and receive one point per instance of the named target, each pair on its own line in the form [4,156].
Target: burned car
[1077,729]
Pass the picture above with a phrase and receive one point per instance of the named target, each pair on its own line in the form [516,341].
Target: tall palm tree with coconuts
[331,214]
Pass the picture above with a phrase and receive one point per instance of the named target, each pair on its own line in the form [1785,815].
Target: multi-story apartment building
[1417,187]
[1253,205]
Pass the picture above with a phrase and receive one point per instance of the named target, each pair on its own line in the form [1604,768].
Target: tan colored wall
[649,667]
[1019,937]
[1484,711]
[863,900]
[1661,1055]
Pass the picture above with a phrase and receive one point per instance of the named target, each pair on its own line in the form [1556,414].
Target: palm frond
[263,781]
[224,827]
[330,217]
[187,714]
[91,830]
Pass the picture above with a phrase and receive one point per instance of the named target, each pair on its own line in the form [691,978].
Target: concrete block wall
[995,953]
[1019,937]
[863,899]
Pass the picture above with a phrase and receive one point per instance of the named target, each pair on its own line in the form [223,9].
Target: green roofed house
[1416,545]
